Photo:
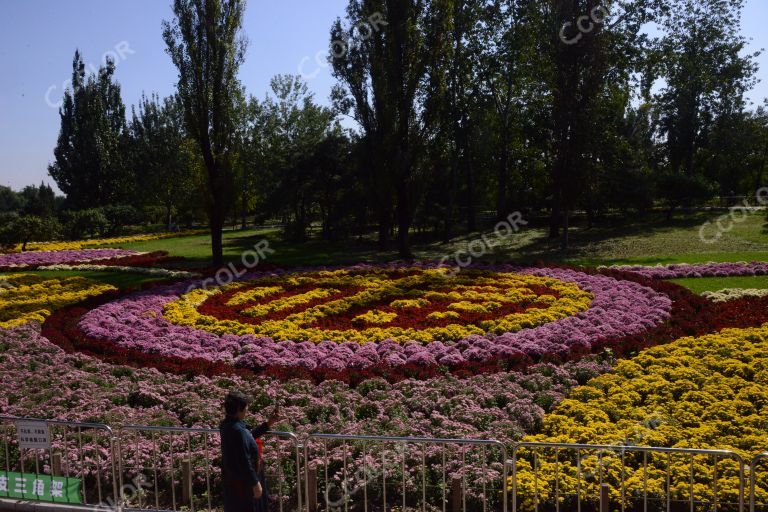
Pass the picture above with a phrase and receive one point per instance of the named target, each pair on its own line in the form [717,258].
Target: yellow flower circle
[30,297]
[371,305]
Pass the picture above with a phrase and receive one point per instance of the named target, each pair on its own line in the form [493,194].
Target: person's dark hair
[235,402]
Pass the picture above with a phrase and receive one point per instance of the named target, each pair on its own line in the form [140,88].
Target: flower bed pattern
[96,242]
[373,305]
[149,259]
[683,270]
[154,272]
[34,259]
[729,294]
[32,298]
[79,387]
[167,355]
[136,323]
[706,392]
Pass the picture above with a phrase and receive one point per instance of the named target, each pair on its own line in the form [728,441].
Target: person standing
[241,465]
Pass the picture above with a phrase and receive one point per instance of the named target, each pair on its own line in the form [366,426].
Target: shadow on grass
[583,240]
[587,245]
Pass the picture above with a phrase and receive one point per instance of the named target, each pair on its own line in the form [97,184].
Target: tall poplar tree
[89,165]
[205,44]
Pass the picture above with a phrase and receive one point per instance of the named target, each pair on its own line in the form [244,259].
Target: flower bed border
[691,315]
[145,260]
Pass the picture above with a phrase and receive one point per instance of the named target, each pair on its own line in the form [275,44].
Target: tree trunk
[385,227]
[761,168]
[566,220]
[554,219]
[471,218]
[501,185]
[217,227]
[403,222]
[244,214]
[452,193]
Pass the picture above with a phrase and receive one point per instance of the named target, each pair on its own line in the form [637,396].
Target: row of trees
[460,107]
[37,214]
[561,104]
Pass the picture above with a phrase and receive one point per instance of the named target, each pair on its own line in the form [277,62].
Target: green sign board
[26,486]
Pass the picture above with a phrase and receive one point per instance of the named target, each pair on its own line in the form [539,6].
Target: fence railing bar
[82,461]
[173,471]
[645,481]
[345,478]
[756,460]
[154,469]
[208,474]
[463,478]
[536,480]
[623,480]
[111,464]
[578,481]
[714,485]
[668,482]
[484,476]
[691,482]
[365,477]
[557,480]
[444,447]
[403,448]
[423,478]
[384,478]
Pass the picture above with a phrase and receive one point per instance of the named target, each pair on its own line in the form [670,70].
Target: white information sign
[33,435]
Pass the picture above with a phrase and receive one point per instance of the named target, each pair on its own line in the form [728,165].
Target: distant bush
[120,216]
[678,189]
[20,230]
[85,223]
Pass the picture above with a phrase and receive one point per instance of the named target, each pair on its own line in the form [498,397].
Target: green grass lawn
[713,284]
[648,241]
[197,248]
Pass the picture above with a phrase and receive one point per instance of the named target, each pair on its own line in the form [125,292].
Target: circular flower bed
[88,389]
[370,305]
[544,314]
[484,354]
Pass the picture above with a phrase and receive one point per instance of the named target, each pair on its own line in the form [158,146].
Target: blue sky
[38,39]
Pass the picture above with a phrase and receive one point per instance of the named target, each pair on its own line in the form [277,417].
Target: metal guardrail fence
[626,471]
[361,472]
[167,468]
[79,450]
[170,468]
[753,465]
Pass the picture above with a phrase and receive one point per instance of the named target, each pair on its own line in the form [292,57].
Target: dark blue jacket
[239,453]
[240,466]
